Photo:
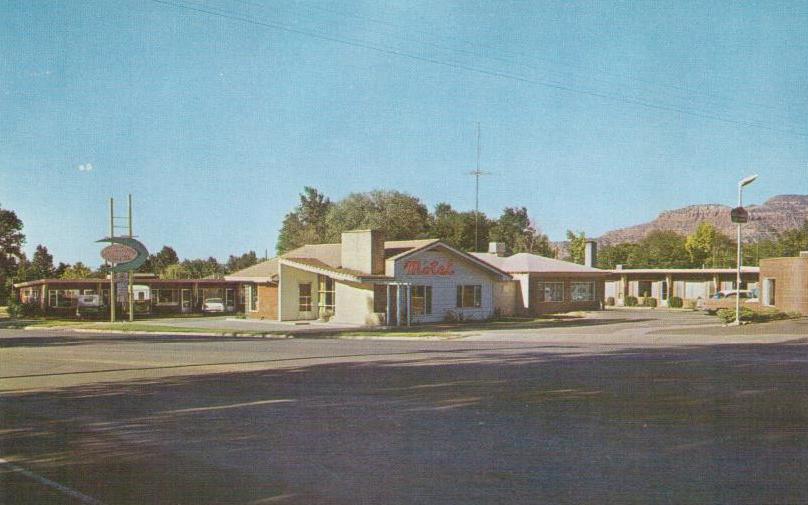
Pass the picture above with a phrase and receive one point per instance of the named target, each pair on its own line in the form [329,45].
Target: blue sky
[594,115]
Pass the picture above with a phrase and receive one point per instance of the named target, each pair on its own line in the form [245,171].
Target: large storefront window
[166,296]
[644,288]
[325,292]
[469,296]
[62,298]
[421,300]
[551,291]
[582,291]
[304,297]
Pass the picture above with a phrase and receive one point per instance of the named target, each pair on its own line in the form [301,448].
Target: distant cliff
[776,215]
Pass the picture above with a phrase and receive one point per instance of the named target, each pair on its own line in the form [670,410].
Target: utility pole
[112,298]
[131,273]
[477,173]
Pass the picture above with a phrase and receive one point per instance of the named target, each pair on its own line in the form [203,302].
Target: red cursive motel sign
[428,268]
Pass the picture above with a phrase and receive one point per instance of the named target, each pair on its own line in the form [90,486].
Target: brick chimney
[363,250]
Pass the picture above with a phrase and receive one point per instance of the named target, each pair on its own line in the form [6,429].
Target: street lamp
[743,182]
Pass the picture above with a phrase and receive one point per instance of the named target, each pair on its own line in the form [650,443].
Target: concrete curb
[168,333]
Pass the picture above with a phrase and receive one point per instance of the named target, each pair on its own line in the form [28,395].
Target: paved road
[126,419]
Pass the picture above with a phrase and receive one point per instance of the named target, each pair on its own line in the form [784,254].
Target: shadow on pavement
[707,424]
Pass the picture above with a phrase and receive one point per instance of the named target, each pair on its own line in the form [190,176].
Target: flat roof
[148,281]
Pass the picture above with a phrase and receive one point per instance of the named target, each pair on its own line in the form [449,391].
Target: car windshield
[213,300]
[717,296]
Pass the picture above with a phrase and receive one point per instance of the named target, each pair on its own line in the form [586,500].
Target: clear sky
[594,115]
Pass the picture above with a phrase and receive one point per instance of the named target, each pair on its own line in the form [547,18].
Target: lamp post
[743,182]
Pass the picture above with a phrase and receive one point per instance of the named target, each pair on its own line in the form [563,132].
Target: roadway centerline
[83,498]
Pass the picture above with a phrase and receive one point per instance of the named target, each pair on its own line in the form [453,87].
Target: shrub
[453,317]
[690,304]
[610,301]
[649,301]
[675,302]
[757,316]
[631,301]
[17,310]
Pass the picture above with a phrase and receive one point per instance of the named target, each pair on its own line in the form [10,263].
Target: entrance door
[186,301]
[230,300]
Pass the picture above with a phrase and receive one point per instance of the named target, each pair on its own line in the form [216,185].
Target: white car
[213,305]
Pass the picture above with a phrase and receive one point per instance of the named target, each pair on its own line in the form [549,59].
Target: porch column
[716,284]
[409,302]
[388,308]
[623,287]
[43,302]
[669,282]
[398,305]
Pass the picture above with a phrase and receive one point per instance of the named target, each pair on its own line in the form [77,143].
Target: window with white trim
[582,291]
[551,291]
[304,297]
[421,300]
[469,296]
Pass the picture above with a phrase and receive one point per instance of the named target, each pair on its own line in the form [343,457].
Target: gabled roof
[533,263]
[259,272]
[325,256]
[471,257]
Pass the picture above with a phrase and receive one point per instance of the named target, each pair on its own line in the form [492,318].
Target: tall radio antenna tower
[477,173]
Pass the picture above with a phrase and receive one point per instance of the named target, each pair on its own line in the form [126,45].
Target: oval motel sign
[118,253]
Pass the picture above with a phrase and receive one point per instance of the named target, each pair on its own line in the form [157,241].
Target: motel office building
[366,280]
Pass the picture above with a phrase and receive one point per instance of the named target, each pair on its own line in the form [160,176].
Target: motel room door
[186,301]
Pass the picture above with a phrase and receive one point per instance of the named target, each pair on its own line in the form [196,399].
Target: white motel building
[366,280]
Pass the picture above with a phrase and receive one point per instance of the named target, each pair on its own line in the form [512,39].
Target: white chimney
[363,250]
[497,248]
[591,254]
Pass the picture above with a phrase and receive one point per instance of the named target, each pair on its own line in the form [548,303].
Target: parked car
[88,306]
[213,305]
[726,299]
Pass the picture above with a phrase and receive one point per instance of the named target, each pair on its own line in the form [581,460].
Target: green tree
[707,246]
[457,228]
[306,224]
[236,263]
[201,269]
[176,271]
[162,259]
[77,271]
[515,229]
[577,247]
[399,215]
[791,242]
[11,242]
[660,249]
[42,263]
[610,256]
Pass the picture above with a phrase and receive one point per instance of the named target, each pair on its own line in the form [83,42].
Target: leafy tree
[11,241]
[791,242]
[176,271]
[660,249]
[399,215]
[577,247]
[236,263]
[457,228]
[60,269]
[162,259]
[519,233]
[42,263]
[618,254]
[708,246]
[77,271]
[102,271]
[200,269]
[306,224]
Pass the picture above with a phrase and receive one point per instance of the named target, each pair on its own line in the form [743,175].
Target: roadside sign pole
[738,273]
[131,273]
[112,298]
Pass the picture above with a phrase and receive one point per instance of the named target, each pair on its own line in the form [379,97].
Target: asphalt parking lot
[659,410]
